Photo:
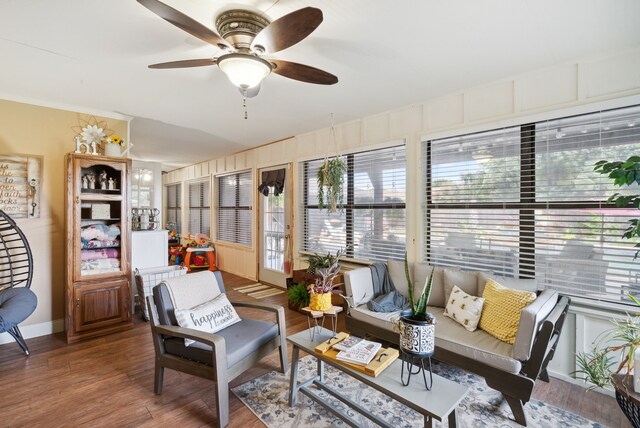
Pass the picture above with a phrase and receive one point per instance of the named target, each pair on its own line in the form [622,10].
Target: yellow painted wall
[46,132]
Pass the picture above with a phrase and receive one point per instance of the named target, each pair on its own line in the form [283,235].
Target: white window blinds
[524,201]
[199,207]
[235,207]
[372,226]
[173,212]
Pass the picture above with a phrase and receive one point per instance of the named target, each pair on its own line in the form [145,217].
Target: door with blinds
[274,198]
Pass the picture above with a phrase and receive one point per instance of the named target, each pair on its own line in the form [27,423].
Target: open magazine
[347,343]
[360,353]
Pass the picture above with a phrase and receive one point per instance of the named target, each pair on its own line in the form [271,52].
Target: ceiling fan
[244,37]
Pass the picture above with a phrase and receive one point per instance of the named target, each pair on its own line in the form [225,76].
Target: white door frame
[265,272]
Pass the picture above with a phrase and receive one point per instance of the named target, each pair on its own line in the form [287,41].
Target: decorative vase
[320,302]
[417,337]
[112,150]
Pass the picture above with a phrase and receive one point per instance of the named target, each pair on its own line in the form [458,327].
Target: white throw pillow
[211,316]
[464,308]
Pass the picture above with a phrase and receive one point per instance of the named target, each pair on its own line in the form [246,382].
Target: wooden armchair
[220,357]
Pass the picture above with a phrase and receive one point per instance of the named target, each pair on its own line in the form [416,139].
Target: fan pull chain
[244,104]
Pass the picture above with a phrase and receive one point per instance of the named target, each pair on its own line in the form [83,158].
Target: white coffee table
[439,403]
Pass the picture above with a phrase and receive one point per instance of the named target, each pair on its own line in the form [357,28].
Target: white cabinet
[149,248]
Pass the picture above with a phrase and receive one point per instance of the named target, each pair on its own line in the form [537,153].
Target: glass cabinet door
[100,214]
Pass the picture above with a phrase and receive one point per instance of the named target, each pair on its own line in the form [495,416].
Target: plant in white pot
[417,326]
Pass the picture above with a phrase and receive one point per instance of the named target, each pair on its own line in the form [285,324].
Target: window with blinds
[199,207]
[372,226]
[234,207]
[173,211]
[524,201]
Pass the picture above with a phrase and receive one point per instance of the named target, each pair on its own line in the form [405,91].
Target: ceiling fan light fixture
[244,71]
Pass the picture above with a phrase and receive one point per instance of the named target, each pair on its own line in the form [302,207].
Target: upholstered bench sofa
[511,369]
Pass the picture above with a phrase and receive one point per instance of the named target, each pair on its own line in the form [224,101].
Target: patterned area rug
[259,291]
[267,397]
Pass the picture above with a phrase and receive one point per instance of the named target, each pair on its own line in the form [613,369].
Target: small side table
[331,313]
[210,256]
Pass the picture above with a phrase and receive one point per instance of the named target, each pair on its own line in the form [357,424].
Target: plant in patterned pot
[325,285]
[417,326]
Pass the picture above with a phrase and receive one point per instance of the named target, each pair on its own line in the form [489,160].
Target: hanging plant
[330,184]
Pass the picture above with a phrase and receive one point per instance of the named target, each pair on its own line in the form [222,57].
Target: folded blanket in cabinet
[103,253]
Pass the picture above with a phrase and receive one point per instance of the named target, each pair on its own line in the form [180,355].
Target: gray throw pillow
[466,281]
[420,273]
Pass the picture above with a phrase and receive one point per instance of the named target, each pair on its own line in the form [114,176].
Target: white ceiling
[93,54]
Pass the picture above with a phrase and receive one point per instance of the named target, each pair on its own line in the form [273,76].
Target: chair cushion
[189,291]
[527,284]
[420,273]
[465,280]
[359,285]
[398,277]
[211,316]
[502,308]
[16,304]
[241,339]
[164,303]
[464,309]
[531,318]
[478,345]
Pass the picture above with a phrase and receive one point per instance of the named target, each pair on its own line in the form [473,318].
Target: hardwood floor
[109,382]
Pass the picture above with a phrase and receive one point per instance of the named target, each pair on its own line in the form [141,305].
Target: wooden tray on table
[383,358]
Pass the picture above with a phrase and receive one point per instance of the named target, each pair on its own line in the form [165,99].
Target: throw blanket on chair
[189,291]
[385,296]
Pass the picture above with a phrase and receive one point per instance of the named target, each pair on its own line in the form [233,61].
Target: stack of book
[356,350]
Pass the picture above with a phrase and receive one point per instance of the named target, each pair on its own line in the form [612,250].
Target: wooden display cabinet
[98,231]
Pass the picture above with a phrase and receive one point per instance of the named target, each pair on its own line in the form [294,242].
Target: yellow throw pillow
[501,311]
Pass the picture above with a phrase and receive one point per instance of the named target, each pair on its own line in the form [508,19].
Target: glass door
[100,213]
[275,225]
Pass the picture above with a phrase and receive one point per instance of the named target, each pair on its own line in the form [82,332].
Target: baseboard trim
[35,330]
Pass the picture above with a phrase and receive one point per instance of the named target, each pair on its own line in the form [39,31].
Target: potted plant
[597,366]
[624,173]
[322,261]
[298,296]
[324,286]
[417,326]
[330,184]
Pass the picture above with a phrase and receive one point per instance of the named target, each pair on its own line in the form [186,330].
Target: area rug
[259,291]
[267,396]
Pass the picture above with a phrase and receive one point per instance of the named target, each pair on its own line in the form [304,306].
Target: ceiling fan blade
[185,63]
[250,92]
[303,73]
[184,22]
[287,30]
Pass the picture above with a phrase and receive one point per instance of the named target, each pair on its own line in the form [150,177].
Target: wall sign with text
[20,185]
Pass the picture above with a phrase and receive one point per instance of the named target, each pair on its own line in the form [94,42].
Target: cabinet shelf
[100,191]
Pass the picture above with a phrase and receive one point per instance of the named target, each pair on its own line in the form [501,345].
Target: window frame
[200,209]
[177,208]
[350,207]
[236,208]
[527,206]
